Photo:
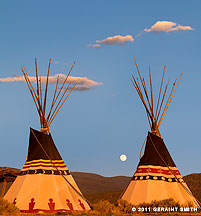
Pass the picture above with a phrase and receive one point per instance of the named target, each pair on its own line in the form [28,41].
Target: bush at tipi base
[124,206]
[6,207]
[162,203]
[103,207]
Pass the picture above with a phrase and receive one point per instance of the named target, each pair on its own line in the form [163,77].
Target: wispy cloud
[78,88]
[116,40]
[94,45]
[56,62]
[83,83]
[167,26]
[59,63]
[139,34]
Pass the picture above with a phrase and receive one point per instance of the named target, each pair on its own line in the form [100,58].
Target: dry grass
[105,208]
[8,208]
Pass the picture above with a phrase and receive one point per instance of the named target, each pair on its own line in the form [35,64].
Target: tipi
[156,176]
[45,184]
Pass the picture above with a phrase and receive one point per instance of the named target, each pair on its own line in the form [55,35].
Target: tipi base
[48,193]
[147,191]
[41,211]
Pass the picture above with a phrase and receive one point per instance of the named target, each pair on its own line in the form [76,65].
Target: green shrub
[164,203]
[188,204]
[103,207]
[6,207]
[123,206]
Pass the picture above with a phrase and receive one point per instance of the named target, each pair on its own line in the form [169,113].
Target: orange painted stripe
[45,162]
[42,165]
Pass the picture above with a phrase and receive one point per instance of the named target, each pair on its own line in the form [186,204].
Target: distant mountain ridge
[96,187]
[91,183]
[194,183]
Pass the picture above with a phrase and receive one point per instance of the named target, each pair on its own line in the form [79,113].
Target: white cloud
[83,83]
[184,28]
[116,40]
[94,45]
[167,26]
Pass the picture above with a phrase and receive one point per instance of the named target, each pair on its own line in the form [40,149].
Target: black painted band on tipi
[45,172]
[155,178]
[35,151]
[156,153]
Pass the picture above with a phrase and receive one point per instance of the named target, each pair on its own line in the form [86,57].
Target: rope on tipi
[142,147]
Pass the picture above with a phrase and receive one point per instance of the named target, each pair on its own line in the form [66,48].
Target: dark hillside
[90,183]
[194,183]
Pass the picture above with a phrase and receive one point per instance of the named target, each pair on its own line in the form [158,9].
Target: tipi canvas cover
[157,177]
[45,183]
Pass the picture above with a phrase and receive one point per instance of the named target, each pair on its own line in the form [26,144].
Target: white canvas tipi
[45,184]
[156,176]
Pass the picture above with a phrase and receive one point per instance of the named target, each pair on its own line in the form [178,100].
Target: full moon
[123,157]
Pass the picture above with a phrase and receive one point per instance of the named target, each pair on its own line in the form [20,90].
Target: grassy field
[105,208]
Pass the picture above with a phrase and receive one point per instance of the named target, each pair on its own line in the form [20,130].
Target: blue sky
[96,126]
